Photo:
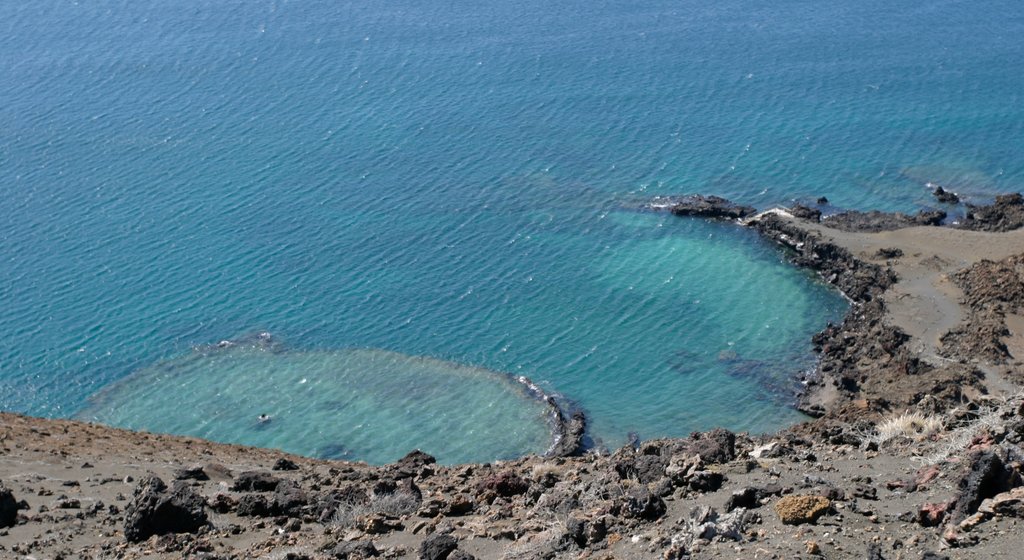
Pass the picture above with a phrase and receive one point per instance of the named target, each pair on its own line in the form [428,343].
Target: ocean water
[404,192]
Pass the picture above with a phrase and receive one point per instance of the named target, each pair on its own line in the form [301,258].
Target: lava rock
[716,446]
[155,510]
[1005,214]
[706,481]
[946,197]
[985,478]
[503,484]
[191,473]
[354,550]
[643,468]
[640,503]
[875,221]
[284,464]
[289,499]
[254,481]
[437,547]
[254,505]
[710,207]
[743,498]
[805,212]
[8,508]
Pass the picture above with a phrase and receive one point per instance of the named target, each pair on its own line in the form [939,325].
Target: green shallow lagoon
[364,404]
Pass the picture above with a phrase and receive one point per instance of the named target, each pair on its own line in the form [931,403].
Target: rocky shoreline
[915,451]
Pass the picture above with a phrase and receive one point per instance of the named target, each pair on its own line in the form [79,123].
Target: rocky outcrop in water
[1005,214]
[875,221]
[709,207]
[858,280]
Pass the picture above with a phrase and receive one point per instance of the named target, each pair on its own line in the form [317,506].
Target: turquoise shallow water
[456,182]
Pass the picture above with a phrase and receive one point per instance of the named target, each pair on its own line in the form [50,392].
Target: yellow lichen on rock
[794,510]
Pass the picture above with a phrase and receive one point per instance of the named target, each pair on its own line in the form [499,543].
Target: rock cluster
[710,207]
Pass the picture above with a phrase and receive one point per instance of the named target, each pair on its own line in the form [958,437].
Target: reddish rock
[503,484]
[931,515]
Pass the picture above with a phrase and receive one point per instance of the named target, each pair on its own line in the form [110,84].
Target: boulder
[503,484]
[284,464]
[716,446]
[254,481]
[254,505]
[353,550]
[985,478]
[437,547]
[640,503]
[155,510]
[289,499]
[795,510]
[8,508]
[191,473]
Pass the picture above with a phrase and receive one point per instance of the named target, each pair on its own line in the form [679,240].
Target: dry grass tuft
[912,425]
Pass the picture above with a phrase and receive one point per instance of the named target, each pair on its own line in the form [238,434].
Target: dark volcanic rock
[254,481]
[289,499]
[503,484]
[946,197]
[8,508]
[414,460]
[860,281]
[640,503]
[875,221]
[716,446]
[191,473]
[1005,214]
[889,253]
[986,477]
[569,433]
[710,207]
[706,481]
[284,464]
[743,498]
[353,550]
[254,505]
[155,510]
[437,547]
[805,212]
[643,468]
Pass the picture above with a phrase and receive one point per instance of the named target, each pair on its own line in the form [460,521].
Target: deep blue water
[457,182]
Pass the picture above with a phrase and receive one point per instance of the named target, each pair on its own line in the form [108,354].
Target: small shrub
[913,425]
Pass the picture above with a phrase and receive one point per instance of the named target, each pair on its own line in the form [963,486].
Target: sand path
[924,302]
